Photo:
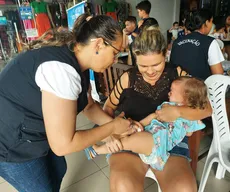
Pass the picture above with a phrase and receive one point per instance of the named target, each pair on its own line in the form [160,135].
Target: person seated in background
[227,31]
[219,34]
[219,29]
[130,26]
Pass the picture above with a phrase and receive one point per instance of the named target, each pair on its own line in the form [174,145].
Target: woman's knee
[126,183]
[127,175]
[181,185]
[186,185]
[177,175]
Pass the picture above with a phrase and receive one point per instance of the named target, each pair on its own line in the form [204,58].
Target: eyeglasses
[119,52]
[107,43]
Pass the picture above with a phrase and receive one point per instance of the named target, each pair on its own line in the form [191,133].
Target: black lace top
[141,98]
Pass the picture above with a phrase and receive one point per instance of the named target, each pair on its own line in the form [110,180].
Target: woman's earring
[97,52]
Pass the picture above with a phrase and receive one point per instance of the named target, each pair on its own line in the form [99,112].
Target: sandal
[90,153]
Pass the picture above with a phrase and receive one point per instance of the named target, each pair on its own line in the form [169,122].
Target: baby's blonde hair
[195,92]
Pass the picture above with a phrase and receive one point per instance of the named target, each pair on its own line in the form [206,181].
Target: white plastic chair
[151,175]
[220,148]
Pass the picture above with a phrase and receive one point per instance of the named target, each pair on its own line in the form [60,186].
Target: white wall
[164,11]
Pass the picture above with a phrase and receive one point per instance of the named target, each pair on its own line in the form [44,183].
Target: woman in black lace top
[138,92]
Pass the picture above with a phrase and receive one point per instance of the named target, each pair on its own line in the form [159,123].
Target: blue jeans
[44,174]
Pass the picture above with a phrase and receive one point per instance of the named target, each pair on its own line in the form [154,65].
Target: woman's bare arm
[60,123]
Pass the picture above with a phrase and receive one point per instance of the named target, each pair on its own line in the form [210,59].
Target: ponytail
[196,19]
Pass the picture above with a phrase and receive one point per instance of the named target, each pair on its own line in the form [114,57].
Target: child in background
[175,30]
[154,144]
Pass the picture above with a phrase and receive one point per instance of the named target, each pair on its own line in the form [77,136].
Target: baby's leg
[141,142]
[138,142]
[93,151]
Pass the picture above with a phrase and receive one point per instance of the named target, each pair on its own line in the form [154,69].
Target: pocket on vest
[31,142]
[32,130]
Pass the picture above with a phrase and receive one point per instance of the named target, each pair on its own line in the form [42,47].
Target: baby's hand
[137,126]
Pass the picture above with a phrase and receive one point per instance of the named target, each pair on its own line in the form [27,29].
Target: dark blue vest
[191,53]
[22,130]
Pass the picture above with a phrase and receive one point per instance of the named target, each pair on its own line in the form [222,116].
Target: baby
[154,144]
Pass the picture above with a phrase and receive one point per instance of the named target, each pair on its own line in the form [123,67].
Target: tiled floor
[93,176]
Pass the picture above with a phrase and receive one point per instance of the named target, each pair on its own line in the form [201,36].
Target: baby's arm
[147,120]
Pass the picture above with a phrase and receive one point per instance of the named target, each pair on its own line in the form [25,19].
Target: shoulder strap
[116,91]
[132,76]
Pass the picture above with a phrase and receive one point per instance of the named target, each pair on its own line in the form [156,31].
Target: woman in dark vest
[196,52]
[41,92]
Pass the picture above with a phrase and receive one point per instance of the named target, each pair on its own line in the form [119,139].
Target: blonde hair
[150,40]
[195,92]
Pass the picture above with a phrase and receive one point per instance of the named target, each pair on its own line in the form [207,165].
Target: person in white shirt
[174,30]
[197,53]
[49,85]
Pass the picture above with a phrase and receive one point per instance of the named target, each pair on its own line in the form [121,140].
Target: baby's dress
[167,135]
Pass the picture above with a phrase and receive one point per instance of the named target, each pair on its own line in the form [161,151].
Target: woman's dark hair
[196,19]
[148,23]
[84,29]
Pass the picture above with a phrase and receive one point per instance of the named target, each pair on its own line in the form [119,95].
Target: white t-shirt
[215,55]
[59,78]
[130,39]
[175,33]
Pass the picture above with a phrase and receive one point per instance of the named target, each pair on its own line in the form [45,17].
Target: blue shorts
[181,150]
